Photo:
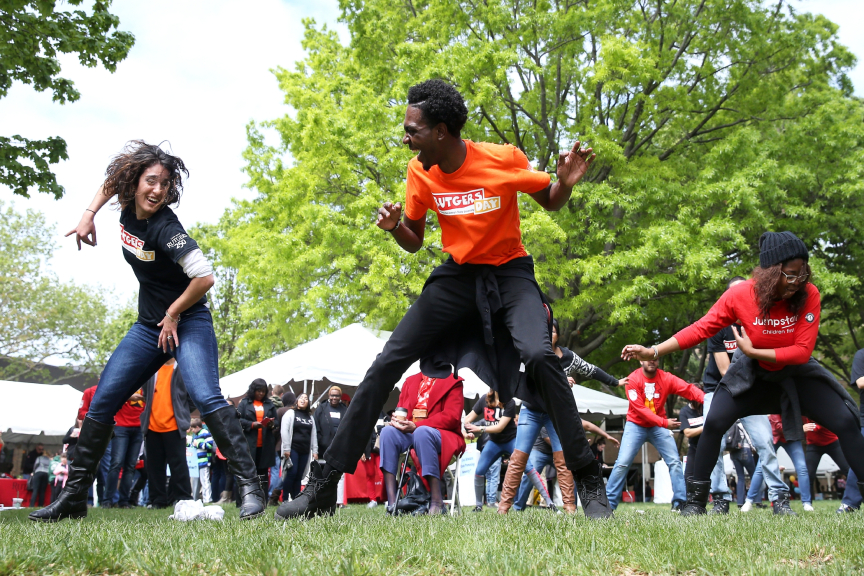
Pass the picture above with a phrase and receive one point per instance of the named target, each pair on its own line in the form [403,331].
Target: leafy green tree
[42,318]
[32,34]
[712,120]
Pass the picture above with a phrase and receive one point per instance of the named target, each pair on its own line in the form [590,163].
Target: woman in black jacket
[258,420]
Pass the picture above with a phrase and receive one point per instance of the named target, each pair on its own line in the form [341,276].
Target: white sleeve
[195,264]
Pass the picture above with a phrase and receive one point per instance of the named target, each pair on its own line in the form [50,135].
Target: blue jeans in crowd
[102,473]
[631,442]
[489,466]
[795,450]
[137,358]
[125,448]
[293,476]
[852,495]
[426,442]
[536,461]
[759,429]
[743,461]
[275,478]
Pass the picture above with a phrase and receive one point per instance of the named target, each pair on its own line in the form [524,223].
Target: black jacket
[180,401]
[246,413]
[324,423]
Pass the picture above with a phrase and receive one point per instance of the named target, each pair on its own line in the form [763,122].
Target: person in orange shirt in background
[164,422]
[482,308]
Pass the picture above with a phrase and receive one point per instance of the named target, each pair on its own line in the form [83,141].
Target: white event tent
[345,355]
[56,408]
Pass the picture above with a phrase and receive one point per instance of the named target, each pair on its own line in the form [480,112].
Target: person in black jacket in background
[258,420]
[328,416]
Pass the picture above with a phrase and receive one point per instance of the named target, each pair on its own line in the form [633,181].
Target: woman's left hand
[743,340]
[405,426]
[614,441]
[168,336]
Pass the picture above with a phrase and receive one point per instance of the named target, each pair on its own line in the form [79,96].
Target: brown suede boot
[518,460]
[565,481]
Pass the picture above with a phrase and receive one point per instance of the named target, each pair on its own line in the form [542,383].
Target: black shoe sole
[306,515]
[71,516]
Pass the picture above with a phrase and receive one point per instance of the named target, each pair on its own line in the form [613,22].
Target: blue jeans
[795,450]
[137,358]
[426,442]
[852,495]
[759,429]
[125,448]
[102,474]
[294,476]
[536,461]
[530,423]
[489,466]
[743,461]
[275,478]
[631,442]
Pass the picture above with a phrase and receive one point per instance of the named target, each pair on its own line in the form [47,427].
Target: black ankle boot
[697,497]
[72,501]
[318,498]
[781,505]
[721,506]
[592,491]
[228,435]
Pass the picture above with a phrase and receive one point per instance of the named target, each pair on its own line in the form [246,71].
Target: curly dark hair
[765,281]
[124,171]
[440,103]
[257,384]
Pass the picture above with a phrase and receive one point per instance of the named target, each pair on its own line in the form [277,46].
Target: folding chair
[454,502]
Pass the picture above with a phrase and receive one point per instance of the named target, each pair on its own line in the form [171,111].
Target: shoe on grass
[781,505]
[748,505]
[721,506]
[478,508]
[808,507]
[318,498]
[845,508]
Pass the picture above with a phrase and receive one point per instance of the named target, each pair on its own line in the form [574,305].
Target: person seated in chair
[432,427]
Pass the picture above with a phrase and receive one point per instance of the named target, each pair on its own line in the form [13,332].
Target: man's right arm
[722,360]
[407,233]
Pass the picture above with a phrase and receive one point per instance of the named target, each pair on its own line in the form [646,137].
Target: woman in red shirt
[773,370]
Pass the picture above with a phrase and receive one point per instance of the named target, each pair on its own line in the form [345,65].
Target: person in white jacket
[299,446]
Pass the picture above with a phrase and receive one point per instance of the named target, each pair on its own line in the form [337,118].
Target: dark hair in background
[440,103]
[257,384]
[492,400]
[296,407]
[765,285]
[733,280]
[125,169]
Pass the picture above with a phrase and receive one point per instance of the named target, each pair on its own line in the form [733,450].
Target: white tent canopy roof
[345,355]
[56,407]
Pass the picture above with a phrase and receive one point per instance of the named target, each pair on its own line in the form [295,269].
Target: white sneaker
[748,504]
[808,507]
[372,504]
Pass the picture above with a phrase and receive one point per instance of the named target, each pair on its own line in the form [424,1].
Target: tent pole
[644,458]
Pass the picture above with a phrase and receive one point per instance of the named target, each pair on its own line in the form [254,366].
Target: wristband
[89,210]
[398,223]
[175,320]
[656,354]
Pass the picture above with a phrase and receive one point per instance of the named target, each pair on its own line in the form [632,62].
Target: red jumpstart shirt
[792,336]
[477,205]
[647,397]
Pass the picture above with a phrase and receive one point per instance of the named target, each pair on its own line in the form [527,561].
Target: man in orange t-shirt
[486,287]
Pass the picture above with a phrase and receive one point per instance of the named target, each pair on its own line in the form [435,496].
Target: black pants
[169,448]
[39,482]
[818,400]
[55,490]
[442,305]
[814,455]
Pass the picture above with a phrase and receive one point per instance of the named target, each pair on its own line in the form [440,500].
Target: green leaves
[32,35]
[713,121]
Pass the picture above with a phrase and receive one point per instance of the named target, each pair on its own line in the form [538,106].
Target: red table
[10,489]
[367,482]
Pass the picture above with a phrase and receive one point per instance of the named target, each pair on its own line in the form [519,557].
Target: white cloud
[199,72]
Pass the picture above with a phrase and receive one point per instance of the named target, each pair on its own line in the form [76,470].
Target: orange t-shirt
[162,410]
[259,416]
[477,205]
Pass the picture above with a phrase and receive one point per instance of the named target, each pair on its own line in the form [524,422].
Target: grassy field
[642,539]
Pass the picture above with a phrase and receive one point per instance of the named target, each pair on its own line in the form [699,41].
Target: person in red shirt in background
[647,389]
[778,311]
[124,450]
[433,428]
[821,441]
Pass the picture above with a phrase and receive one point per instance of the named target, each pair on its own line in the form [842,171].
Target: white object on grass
[186,510]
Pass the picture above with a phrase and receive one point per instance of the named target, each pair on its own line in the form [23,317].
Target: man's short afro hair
[440,102]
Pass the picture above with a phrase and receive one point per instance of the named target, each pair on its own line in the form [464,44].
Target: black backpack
[735,438]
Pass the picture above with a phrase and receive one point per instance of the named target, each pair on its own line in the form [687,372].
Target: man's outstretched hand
[573,165]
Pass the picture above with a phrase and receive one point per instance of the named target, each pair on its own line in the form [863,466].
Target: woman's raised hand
[85,231]
[637,352]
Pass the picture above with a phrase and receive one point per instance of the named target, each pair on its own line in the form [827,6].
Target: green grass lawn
[642,539]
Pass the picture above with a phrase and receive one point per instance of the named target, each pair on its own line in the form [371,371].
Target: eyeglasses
[795,279]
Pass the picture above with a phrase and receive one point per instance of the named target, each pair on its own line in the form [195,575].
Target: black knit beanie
[776,247]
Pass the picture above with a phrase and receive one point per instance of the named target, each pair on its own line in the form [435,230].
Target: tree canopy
[33,33]
[712,120]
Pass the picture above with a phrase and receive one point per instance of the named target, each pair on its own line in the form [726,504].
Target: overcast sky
[198,73]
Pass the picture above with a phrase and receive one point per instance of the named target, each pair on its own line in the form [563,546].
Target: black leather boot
[228,435]
[72,501]
[318,498]
[697,497]
[721,506]
[781,505]
[592,491]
